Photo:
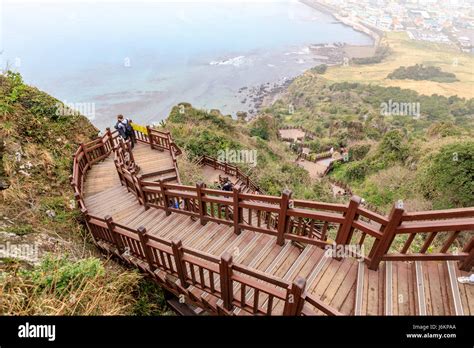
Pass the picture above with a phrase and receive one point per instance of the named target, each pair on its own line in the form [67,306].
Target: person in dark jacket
[228,186]
[125,129]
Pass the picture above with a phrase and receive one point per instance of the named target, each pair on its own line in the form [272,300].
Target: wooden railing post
[150,137]
[177,247]
[236,210]
[344,234]
[146,250]
[86,154]
[140,193]
[225,273]
[77,196]
[282,218]
[111,140]
[202,204]
[468,262]
[388,235]
[294,300]
[168,141]
[165,198]
[115,237]
[85,215]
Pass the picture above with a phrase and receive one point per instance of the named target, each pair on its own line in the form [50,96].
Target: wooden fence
[284,218]
[230,170]
[178,267]
[314,157]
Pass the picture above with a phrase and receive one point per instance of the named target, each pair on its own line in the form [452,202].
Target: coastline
[374,33]
[329,54]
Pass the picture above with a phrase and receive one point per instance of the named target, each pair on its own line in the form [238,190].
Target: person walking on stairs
[125,129]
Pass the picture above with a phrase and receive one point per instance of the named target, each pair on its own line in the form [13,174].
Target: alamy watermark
[19,251]
[76,109]
[394,108]
[344,251]
[28,330]
[238,156]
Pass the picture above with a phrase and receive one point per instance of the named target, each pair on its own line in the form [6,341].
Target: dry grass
[190,171]
[99,293]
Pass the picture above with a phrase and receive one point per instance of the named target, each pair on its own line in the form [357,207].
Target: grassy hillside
[47,263]
[199,132]
[406,52]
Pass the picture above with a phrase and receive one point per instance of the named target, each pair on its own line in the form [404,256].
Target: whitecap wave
[236,61]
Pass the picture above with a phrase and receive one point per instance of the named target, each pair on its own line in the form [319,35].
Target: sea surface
[141,58]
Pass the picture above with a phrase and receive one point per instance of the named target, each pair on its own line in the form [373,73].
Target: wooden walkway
[397,288]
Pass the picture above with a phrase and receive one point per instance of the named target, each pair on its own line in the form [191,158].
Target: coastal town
[448,22]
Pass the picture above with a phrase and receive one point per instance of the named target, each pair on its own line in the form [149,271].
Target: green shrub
[260,132]
[381,53]
[207,143]
[320,69]
[358,151]
[356,171]
[421,72]
[443,129]
[20,230]
[393,147]
[447,177]
[62,275]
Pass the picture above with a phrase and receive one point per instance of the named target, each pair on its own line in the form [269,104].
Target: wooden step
[164,178]
[403,297]
[318,270]
[284,251]
[242,255]
[369,287]
[340,294]
[466,291]
[454,287]
[293,271]
[388,308]
[290,275]
[158,173]
[420,289]
[360,290]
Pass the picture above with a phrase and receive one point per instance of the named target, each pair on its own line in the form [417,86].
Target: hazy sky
[138,1]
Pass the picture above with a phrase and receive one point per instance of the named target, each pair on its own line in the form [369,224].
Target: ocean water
[141,58]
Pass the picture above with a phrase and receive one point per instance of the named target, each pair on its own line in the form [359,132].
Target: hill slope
[47,263]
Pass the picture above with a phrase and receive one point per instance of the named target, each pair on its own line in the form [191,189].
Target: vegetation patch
[420,72]
[59,286]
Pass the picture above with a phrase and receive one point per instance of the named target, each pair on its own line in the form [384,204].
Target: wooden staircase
[345,286]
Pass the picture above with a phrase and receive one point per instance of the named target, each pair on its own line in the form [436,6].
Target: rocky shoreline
[256,97]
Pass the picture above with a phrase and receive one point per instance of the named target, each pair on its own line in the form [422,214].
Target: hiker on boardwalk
[228,186]
[124,127]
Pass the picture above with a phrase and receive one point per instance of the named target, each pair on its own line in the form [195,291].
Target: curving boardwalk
[346,285]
